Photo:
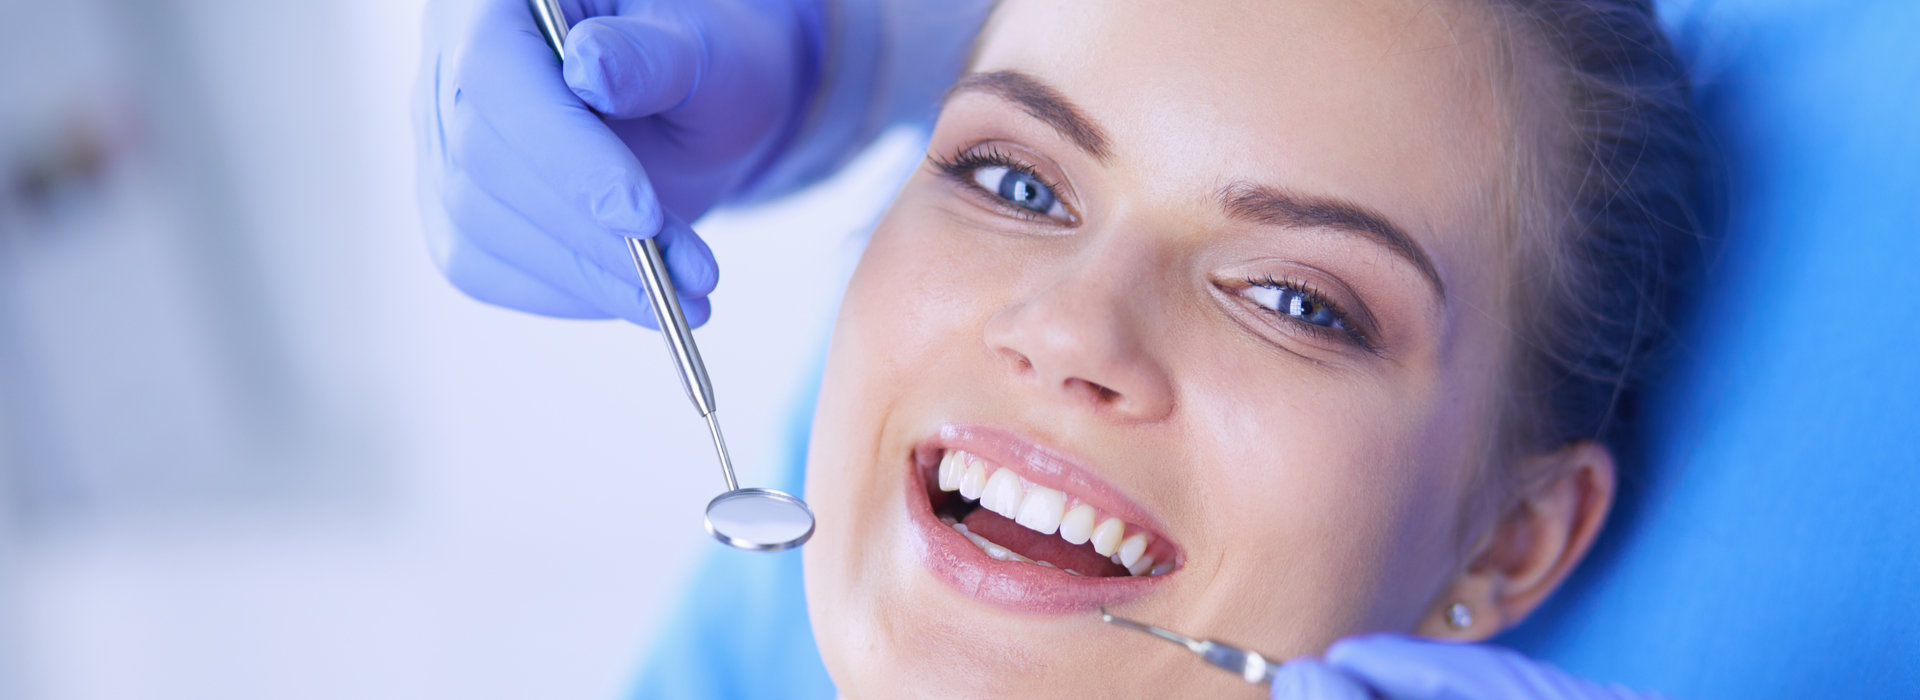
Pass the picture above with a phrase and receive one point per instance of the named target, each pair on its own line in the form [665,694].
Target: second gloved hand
[1395,667]
[530,175]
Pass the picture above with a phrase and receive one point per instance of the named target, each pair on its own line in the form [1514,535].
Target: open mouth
[1016,524]
[1013,519]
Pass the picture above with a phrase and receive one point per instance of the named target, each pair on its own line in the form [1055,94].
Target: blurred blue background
[252,445]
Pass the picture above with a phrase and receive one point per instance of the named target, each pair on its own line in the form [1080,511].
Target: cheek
[921,294]
[899,320]
[1333,500]
[908,324]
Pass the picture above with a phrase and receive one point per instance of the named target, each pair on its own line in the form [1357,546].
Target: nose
[1081,339]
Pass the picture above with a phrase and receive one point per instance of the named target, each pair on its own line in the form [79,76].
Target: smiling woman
[1275,321]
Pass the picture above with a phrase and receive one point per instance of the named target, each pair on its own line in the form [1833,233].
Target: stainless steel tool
[755,519]
[1250,666]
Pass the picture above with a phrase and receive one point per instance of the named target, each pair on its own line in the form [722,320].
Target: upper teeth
[1047,511]
[1077,525]
[1041,509]
[1003,493]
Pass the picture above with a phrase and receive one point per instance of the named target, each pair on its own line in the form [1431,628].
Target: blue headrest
[1767,544]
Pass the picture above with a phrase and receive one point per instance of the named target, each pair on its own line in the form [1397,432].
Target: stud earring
[1459,616]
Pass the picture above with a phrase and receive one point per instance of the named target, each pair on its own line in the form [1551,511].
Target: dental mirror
[759,520]
[756,520]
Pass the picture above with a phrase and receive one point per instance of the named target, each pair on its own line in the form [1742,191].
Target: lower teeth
[1003,554]
[996,551]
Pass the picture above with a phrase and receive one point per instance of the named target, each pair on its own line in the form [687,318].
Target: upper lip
[1041,465]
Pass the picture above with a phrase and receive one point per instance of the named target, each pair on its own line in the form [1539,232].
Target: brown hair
[1615,178]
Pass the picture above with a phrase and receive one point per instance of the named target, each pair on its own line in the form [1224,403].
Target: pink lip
[1015,586]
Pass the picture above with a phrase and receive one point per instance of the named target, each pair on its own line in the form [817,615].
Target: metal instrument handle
[1250,665]
[673,323]
[647,258]
[652,266]
[553,24]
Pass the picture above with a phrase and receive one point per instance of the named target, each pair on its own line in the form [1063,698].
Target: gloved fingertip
[631,67]
[1399,665]
[628,302]
[585,67]
[584,89]
[689,260]
[642,316]
[697,310]
[627,208]
[1309,679]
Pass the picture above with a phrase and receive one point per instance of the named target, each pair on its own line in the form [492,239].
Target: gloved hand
[1394,667]
[527,192]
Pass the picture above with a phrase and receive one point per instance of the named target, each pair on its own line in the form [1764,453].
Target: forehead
[1393,104]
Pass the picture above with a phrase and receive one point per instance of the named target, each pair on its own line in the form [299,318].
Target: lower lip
[1013,586]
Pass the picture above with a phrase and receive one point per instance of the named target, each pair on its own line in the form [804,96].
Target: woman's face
[1226,274]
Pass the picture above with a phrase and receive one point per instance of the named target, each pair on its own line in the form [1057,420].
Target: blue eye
[1007,179]
[1298,304]
[1020,189]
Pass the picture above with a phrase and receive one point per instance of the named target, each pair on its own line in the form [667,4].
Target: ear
[1537,541]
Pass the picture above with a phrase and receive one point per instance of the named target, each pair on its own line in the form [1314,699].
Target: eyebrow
[1260,204]
[1272,206]
[1043,102]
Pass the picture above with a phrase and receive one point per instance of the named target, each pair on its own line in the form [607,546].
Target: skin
[1318,487]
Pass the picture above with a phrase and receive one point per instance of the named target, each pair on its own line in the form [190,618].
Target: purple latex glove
[1395,667]
[527,191]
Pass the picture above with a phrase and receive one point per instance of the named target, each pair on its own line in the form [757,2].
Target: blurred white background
[252,445]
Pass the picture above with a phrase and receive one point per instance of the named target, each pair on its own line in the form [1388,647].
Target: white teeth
[1131,550]
[1106,537]
[1040,510]
[1077,525]
[973,480]
[1003,493]
[1043,510]
[1141,565]
[951,469]
[994,550]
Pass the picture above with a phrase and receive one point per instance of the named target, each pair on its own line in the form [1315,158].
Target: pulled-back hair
[1611,178]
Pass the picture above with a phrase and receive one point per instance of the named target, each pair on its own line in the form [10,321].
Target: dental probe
[756,519]
[1248,665]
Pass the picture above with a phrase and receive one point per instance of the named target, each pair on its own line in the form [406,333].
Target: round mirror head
[759,520]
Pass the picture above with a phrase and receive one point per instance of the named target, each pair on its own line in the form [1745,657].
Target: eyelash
[1351,334]
[960,168]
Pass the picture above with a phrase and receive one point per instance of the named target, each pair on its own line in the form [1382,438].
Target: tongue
[1038,547]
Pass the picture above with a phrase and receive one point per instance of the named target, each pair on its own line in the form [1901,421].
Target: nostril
[1019,360]
[1099,394]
